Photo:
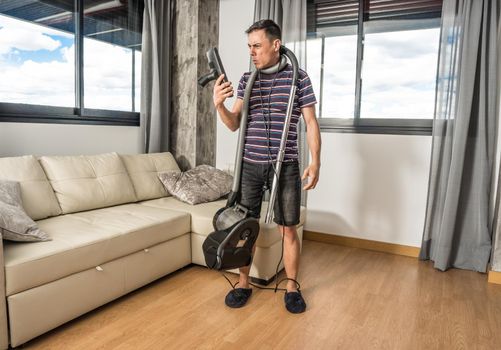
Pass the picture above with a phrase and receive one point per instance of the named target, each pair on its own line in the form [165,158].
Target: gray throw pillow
[201,184]
[15,224]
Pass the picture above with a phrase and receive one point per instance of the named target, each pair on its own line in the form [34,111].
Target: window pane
[399,74]
[37,53]
[112,36]
[334,85]
[332,56]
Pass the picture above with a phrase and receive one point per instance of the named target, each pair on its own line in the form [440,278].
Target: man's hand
[221,91]
[311,173]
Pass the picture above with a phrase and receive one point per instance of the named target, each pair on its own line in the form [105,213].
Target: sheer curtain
[458,224]
[156,64]
[496,253]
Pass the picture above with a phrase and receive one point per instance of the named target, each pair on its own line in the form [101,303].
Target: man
[267,112]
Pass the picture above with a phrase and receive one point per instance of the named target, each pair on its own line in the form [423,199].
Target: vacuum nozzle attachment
[216,68]
[207,78]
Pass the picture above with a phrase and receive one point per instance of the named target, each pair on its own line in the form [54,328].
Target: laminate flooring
[357,299]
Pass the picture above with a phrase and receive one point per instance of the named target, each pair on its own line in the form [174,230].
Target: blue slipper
[294,302]
[238,297]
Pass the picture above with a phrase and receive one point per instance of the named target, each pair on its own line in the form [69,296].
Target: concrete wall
[193,119]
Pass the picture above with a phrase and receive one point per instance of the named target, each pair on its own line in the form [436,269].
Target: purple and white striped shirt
[270,95]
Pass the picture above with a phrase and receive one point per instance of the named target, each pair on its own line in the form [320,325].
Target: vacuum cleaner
[230,245]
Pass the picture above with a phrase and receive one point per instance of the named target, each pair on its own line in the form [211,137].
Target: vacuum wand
[283,142]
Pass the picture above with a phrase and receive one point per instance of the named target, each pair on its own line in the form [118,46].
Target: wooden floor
[357,299]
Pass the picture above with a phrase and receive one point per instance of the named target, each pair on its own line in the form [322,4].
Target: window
[36,61]
[70,61]
[111,51]
[374,63]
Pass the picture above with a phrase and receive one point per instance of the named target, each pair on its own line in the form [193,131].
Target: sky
[37,67]
[398,74]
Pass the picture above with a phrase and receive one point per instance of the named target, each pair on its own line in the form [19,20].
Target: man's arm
[221,93]
[314,143]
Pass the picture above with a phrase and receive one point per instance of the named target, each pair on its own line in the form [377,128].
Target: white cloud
[15,34]
[107,70]
[108,76]
[46,83]
[398,74]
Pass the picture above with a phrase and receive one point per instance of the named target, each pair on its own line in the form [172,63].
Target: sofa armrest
[4,329]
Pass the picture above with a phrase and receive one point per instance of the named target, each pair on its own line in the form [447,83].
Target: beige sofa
[114,229]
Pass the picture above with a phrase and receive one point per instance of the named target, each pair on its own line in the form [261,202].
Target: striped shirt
[269,97]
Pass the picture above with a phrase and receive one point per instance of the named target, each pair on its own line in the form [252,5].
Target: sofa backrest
[88,182]
[39,200]
[143,170]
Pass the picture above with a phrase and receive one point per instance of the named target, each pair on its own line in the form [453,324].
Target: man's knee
[289,232]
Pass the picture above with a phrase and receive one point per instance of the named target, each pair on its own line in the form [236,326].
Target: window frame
[396,126]
[31,113]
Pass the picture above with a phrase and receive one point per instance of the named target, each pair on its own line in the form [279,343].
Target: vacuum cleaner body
[231,248]
[230,245]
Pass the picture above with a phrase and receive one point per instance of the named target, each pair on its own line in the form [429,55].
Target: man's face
[263,51]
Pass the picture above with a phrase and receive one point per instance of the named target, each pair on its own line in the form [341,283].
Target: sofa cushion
[202,184]
[88,182]
[15,224]
[202,215]
[143,170]
[87,239]
[37,195]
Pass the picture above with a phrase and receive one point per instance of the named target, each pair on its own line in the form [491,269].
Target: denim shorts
[257,178]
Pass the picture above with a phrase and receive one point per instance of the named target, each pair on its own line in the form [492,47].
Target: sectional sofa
[114,228]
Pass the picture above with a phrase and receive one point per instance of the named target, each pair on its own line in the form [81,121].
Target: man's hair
[271,29]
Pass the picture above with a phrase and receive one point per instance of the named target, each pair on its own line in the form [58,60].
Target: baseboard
[362,243]
[494,277]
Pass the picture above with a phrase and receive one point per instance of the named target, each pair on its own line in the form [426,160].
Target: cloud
[398,74]
[15,34]
[108,76]
[404,44]
[107,70]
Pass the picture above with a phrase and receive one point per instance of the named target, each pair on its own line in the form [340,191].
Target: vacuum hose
[285,133]
[230,245]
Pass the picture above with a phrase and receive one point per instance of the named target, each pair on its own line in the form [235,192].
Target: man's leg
[243,282]
[252,184]
[287,216]
[251,193]
[291,254]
